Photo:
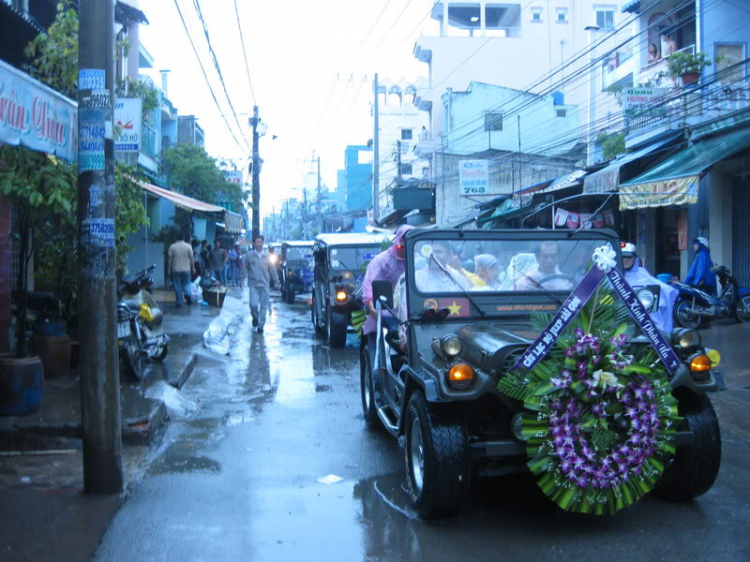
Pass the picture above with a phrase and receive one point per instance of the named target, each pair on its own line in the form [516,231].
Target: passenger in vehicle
[487,269]
[438,276]
[537,278]
[455,262]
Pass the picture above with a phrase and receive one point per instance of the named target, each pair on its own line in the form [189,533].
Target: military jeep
[340,264]
[431,376]
[296,268]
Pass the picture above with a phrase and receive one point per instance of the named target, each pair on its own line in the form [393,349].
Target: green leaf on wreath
[602,439]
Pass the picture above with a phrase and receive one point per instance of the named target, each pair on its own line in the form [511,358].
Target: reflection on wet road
[238,480]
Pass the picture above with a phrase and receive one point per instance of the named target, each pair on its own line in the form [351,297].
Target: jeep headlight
[451,345]
[647,298]
[686,339]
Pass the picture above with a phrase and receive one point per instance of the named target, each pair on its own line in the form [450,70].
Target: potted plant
[687,66]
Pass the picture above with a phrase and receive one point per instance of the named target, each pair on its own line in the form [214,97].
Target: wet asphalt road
[237,481]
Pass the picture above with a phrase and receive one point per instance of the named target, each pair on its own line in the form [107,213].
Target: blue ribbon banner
[575,303]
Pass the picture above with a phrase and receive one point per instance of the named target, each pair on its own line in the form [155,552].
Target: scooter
[140,329]
[695,308]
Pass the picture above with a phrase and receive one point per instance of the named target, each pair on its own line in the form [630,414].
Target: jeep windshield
[353,258]
[301,255]
[450,265]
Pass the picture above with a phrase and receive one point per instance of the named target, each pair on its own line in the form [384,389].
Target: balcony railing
[149,145]
[692,106]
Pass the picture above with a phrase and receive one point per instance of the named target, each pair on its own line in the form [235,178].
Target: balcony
[686,107]
[618,69]
[149,145]
[427,144]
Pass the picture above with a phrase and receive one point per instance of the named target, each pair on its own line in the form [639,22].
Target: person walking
[261,278]
[218,260]
[180,264]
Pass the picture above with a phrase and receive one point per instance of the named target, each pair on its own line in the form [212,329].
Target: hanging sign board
[644,102]
[128,120]
[473,177]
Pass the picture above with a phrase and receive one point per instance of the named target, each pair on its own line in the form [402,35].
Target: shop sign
[603,181]
[473,177]
[234,176]
[35,116]
[644,102]
[128,118]
[663,193]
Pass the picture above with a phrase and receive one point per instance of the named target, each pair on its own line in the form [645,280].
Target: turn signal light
[460,376]
[714,356]
[700,363]
[341,296]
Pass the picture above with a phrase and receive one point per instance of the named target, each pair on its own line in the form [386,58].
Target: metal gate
[741,230]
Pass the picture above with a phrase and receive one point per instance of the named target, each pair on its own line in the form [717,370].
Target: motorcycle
[140,329]
[695,308]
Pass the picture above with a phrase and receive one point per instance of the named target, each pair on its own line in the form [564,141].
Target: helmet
[702,240]
[628,250]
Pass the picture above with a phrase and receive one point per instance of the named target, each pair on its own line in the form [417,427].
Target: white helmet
[702,240]
[628,250]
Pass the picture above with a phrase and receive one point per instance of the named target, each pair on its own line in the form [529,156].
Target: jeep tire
[336,328]
[437,460]
[314,314]
[367,389]
[288,294]
[695,466]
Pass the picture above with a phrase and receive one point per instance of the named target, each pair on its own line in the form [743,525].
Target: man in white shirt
[180,264]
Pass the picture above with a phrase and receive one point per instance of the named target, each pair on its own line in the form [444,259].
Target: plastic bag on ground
[178,407]
[216,337]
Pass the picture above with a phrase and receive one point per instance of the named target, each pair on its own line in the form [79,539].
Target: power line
[196,4]
[205,76]
[244,52]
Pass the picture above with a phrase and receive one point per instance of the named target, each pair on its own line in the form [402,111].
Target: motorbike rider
[637,276]
[701,274]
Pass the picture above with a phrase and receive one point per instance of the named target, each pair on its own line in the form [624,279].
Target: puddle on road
[170,463]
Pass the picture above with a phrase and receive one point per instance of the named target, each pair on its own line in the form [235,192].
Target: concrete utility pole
[254,120]
[320,201]
[398,162]
[376,158]
[100,376]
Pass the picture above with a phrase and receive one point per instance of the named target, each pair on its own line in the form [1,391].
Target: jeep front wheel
[695,466]
[367,389]
[437,461]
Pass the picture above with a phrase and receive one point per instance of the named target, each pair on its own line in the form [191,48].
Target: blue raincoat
[700,274]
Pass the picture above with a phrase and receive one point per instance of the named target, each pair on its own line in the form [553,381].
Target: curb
[186,369]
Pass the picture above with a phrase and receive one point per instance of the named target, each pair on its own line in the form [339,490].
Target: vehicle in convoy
[274,254]
[140,328]
[296,268]
[695,308]
[340,264]
[457,333]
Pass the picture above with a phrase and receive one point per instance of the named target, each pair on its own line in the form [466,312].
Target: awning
[675,181]
[180,200]
[233,222]
[608,179]
[572,179]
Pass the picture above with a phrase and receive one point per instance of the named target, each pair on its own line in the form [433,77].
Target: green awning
[675,181]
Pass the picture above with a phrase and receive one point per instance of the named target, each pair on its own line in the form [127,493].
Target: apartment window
[536,15]
[493,121]
[605,18]
[562,15]
[562,112]
[729,55]
[406,169]
[406,134]
[464,19]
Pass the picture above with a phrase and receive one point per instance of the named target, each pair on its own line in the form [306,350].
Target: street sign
[128,118]
[644,101]
[234,176]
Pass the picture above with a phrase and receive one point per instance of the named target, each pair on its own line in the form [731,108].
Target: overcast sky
[295,50]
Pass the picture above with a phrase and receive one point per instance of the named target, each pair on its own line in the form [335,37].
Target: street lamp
[592,29]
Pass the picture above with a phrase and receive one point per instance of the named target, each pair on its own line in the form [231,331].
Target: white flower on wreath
[605,379]
[605,258]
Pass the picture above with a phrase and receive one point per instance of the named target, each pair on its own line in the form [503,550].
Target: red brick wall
[6,259]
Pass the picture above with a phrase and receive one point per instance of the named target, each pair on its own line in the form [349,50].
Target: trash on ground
[178,407]
[329,479]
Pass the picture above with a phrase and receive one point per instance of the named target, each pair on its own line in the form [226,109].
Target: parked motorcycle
[140,330]
[695,308]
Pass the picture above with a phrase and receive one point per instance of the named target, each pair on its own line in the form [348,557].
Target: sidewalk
[41,475]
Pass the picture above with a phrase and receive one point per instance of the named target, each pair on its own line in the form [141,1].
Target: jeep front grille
[511,360]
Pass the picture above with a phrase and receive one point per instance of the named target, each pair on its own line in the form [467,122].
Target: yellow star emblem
[455,309]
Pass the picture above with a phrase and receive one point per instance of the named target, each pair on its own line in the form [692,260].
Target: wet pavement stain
[181,463]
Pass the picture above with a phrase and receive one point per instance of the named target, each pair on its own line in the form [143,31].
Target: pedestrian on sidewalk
[180,264]
[219,258]
[261,278]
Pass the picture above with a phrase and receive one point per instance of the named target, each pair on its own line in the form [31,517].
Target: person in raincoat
[637,277]
[487,269]
[701,275]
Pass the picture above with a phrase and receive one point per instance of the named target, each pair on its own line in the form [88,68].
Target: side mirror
[383,289]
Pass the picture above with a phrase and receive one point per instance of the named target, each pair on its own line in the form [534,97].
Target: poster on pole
[128,120]
[473,177]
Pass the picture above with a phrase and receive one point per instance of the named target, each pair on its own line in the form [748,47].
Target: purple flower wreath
[604,423]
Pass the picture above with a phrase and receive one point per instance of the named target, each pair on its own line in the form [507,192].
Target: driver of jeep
[438,276]
[546,274]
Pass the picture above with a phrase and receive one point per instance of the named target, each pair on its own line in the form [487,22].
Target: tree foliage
[198,175]
[53,55]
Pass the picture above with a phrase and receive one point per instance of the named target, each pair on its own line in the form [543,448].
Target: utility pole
[254,120]
[398,162]
[304,212]
[320,201]
[100,376]
[376,158]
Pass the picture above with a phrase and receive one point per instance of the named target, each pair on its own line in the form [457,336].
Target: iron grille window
[561,113]
[406,134]
[406,169]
